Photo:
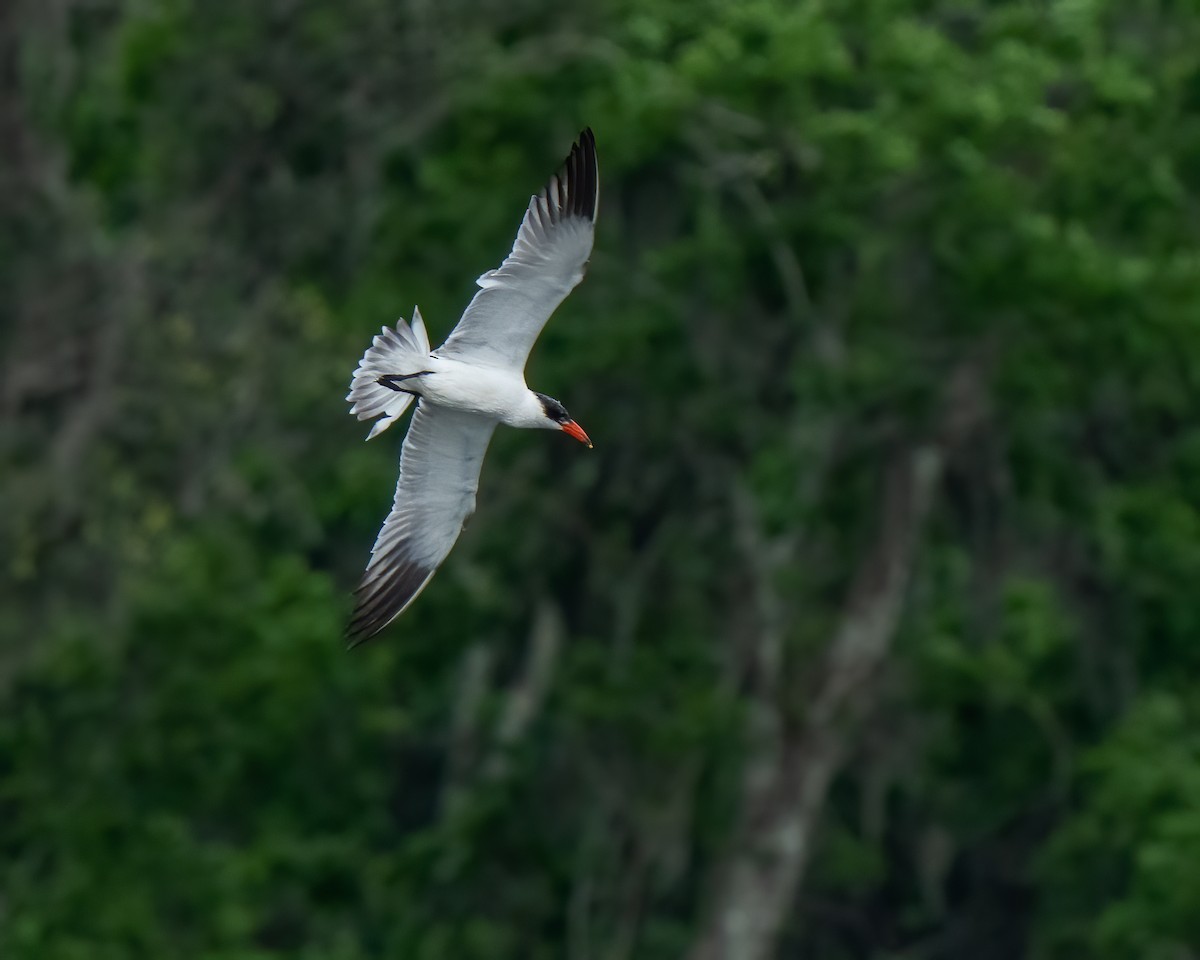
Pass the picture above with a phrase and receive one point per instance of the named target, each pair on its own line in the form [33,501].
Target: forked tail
[378,387]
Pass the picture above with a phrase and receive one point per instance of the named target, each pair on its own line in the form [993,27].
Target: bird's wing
[502,322]
[439,474]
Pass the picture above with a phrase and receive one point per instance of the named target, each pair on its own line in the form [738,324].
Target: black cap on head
[554,410]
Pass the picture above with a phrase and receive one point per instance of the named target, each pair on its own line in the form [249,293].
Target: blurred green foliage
[812,214]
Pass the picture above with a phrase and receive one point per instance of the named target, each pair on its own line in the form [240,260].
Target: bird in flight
[464,388]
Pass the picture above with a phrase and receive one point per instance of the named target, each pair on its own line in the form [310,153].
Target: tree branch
[791,764]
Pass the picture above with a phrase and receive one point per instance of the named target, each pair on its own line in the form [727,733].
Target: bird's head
[557,418]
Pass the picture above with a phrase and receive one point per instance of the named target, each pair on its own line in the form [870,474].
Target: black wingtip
[360,629]
[581,176]
[379,599]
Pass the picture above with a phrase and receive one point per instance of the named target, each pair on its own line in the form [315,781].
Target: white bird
[467,386]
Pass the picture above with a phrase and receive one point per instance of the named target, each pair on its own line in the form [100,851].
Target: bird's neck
[527,412]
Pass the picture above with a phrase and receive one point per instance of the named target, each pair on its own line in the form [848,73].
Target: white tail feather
[398,352]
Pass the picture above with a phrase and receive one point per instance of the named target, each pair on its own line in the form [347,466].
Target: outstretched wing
[439,474]
[502,322]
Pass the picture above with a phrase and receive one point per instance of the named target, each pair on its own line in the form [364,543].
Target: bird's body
[466,387]
[491,392]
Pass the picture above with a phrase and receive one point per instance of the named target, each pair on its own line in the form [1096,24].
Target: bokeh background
[868,630]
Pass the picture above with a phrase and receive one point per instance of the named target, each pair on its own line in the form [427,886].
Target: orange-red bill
[572,429]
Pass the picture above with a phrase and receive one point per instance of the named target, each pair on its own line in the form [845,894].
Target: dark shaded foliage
[829,234]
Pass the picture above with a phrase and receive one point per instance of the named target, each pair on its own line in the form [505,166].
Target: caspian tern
[464,388]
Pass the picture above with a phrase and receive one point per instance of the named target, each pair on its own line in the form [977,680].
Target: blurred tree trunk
[793,759]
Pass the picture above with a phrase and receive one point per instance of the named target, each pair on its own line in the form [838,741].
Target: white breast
[476,388]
